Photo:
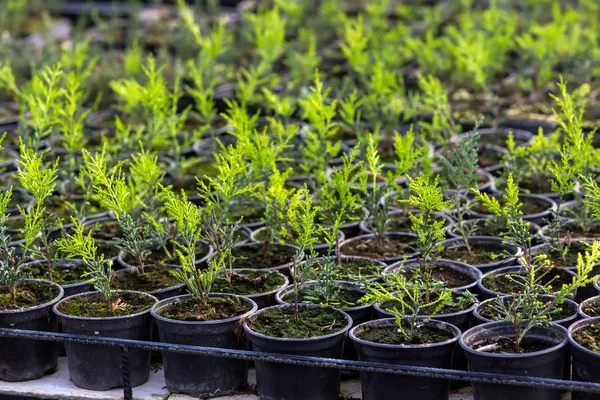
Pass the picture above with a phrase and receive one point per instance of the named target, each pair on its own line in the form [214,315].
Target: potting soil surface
[58,386]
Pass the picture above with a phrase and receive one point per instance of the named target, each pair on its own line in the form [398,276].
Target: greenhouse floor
[58,386]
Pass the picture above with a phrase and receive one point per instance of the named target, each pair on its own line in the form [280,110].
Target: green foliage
[435,101]
[410,294]
[81,246]
[268,36]
[11,275]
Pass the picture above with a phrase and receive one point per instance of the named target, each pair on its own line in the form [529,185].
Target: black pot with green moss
[125,316]
[487,253]
[22,359]
[260,286]
[350,268]
[379,341]
[274,257]
[258,236]
[319,332]
[67,273]
[537,209]
[493,227]
[185,320]
[490,348]
[456,275]
[484,313]
[590,308]
[390,248]
[584,338]
[347,298]
[499,282]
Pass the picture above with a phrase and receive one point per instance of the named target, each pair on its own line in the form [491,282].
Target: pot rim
[342,284]
[55,300]
[284,285]
[251,332]
[392,321]
[578,325]
[166,302]
[471,308]
[87,294]
[558,321]
[510,356]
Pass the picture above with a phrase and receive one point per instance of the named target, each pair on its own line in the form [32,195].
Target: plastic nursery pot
[458,276]
[351,267]
[576,246]
[293,382]
[199,375]
[365,246]
[508,254]
[485,293]
[264,299]
[377,386]
[251,256]
[490,156]
[565,321]
[96,367]
[542,209]
[586,362]
[590,308]
[124,259]
[321,248]
[22,359]
[576,232]
[70,288]
[545,363]
[487,222]
[359,313]
[499,136]
[160,294]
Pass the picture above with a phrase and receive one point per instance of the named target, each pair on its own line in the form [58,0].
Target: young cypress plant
[11,275]
[40,181]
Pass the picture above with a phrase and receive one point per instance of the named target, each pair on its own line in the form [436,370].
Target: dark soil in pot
[321,247]
[155,280]
[393,247]
[575,230]
[536,209]
[490,348]
[500,281]
[167,256]
[250,213]
[380,341]
[21,359]
[253,256]
[590,308]
[493,227]
[490,157]
[351,269]
[487,253]
[67,274]
[103,229]
[184,320]
[455,275]
[584,337]
[499,136]
[126,316]
[320,332]
[259,286]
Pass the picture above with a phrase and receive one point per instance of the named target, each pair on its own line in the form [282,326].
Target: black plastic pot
[359,313]
[483,148]
[485,293]
[534,228]
[498,136]
[71,288]
[265,299]
[197,375]
[292,382]
[201,262]
[97,367]
[377,386]
[569,225]
[22,359]
[320,248]
[539,218]
[160,294]
[342,273]
[464,269]
[547,363]
[583,305]
[283,268]
[586,363]
[491,242]
[565,322]
[407,237]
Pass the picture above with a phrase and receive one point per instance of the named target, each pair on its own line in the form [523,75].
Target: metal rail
[360,366]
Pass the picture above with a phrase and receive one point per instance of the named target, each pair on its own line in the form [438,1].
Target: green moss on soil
[345,298]
[252,257]
[165,256]
[592,308]
[481,254]
[502,283]
[312,322]
[390,335]
[62,276]
[353,268]
[448,309]
[29,294]
[589,337]
[387,248]
[152,279]
[216,308]
[96,306]
[249,282]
